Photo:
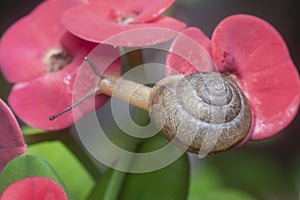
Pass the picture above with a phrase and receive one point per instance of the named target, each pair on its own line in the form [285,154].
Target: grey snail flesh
[204,112]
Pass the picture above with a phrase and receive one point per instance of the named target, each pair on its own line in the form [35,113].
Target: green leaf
[98,191]
[294,171]
[76,178]
[207,183]
[204,178]
[253,171]
[25,166]
[169,183]
[224,195]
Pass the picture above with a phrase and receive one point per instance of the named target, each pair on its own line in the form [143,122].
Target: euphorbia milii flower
[34,188]
[99,20]
[40,56]
[11,140]
[253,53]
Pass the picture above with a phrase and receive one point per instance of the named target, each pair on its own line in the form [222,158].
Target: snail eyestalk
[70,107]
[93,66]
[88,95]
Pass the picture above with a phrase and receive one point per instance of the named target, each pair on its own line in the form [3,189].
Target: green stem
[31,139]
[115,185]
[135,58]
[117,178]
[67,138]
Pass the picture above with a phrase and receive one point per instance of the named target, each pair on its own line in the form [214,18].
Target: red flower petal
[152,9]
[34,102]
[97,23]
[44,92]
[144,9]
[34,188]
[255,53]
[190,52]
[142,36]
[12,143]
[26,43]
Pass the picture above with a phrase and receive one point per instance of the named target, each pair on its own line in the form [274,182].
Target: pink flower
[34,188]
[40,56]
[98,20]
[252,51]
[11,140]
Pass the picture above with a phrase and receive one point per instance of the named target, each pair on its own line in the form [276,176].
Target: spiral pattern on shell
[204,112]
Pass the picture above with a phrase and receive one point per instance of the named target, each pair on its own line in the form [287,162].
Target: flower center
[122,18]
[56,60]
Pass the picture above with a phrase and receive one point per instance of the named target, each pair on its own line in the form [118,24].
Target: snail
[199,104]
[203,111]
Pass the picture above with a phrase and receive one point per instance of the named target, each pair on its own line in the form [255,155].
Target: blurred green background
[267,170]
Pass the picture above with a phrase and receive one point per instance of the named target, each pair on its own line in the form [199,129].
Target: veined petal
[144,10]
[35,101]
[256,54]
[24,45]
[34,188]
[152,9]
[96,23]
[190,52]
[11,140]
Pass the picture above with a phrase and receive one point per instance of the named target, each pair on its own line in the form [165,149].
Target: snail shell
[204,112]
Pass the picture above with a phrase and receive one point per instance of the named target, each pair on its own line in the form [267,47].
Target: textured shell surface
[203,113]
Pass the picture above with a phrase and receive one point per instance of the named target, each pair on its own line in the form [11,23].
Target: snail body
[204,112]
